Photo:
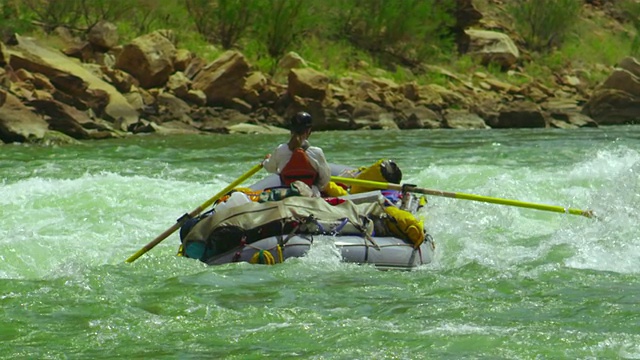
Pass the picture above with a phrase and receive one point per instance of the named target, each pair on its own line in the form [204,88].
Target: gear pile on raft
[267,223]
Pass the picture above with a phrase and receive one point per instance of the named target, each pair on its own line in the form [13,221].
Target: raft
[275,227]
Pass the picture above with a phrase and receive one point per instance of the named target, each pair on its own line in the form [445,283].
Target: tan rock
[223,79]
[493,47]
[194,67]
[631,65]
[18,122]
[256,81]
[61,70]
[121,80]
[519,114]
[42,82]
[4,58]
[497,85]
[63,118]
[149,58]
[196,97]
[182,59]
[463,119]
[103,35]
[623,80]
[613,107]
[291,60]
[308,83]
[179,84]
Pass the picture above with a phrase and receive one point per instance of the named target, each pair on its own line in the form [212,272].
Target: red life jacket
[299,168]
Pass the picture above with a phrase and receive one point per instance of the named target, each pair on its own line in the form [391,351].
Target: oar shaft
[194,213]
[457,195]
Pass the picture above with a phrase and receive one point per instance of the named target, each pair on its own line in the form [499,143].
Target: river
[506,283]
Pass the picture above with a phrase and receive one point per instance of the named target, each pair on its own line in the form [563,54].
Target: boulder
[289,61]
[462,119]
[223,79]
[179,84]
[149,58]
[18,123]
[74,82]
[519,114]
[103,35]
[493,47]
[63,118]
[308,83]
[181,59]
[613,107]
[571,120]
[412,116]
[195,97]
[194,67]
[120,79]
[171,107]
[621,79]
[631,65]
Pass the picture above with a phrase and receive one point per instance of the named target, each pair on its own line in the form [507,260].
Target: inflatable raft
[266,224]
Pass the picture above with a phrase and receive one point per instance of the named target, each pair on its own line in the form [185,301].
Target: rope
[262,257]
[265,257]
[280,254]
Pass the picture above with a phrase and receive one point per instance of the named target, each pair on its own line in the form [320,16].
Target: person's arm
[270,162]
[324,171]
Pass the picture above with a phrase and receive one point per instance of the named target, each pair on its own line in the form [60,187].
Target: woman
[296,160]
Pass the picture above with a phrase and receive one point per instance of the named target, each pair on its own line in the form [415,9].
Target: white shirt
[282,155]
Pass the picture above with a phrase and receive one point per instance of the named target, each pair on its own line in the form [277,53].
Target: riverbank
[97,88]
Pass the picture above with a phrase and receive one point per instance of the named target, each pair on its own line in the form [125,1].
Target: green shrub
[410,30]
[631,12]
[14,17]
[223,22]
[544,23]
[282,23]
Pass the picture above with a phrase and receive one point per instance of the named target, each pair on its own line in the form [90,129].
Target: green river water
[507,282]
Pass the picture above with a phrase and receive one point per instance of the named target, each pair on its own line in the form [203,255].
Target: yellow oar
[194,213]
[457,195]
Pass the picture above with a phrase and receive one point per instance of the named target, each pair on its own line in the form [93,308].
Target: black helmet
[391,172]
[300,122]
